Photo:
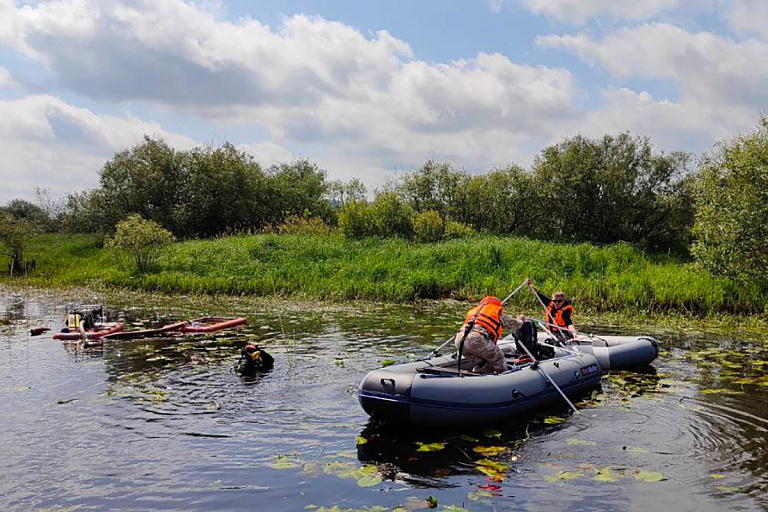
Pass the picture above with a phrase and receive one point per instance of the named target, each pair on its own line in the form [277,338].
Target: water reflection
[166,424]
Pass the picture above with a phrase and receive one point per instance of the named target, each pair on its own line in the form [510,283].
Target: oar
[537,366]
[437,350]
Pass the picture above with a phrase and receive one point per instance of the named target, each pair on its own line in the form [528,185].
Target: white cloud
[672,126]
[6,79]
[312,81]
[48,142]
[268,153]
[705,67]
[750,17]
[579,11]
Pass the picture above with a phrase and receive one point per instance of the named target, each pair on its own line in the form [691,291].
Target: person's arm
[569,322]
[542,297]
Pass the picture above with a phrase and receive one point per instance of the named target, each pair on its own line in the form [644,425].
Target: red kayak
[97,333]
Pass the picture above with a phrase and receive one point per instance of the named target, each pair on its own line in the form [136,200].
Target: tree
[612,189]
[731,226]
[14,238]
[142,239]
[435,186]
[298,188]
[504,201]
[341,193]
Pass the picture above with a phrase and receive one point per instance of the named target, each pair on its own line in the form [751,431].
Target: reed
[616,278]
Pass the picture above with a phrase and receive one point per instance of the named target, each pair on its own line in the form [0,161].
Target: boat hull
[420,395]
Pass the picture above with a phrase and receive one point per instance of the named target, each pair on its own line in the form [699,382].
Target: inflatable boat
[615,352]
[435,392]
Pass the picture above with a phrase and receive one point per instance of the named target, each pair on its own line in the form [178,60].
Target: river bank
[616,279]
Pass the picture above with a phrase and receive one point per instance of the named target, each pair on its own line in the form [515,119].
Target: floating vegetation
[553,420]
[490,451]
[563,475]
[649,476]
[284,462]
[581,442]
[430,447]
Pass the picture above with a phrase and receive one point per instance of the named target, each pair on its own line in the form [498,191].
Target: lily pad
[717,475]
[369,481]
[563,475]
[649,476]
[283,462]
[387,362]
[581,442]
[490,451]
[430,447]
[606,475]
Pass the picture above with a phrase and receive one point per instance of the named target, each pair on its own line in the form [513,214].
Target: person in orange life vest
[486,322]
[559,313]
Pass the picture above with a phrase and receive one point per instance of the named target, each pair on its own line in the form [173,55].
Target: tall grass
[613,278]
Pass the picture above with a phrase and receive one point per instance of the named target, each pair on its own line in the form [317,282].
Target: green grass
[616,278]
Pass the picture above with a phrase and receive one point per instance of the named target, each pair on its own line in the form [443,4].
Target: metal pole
[538,367]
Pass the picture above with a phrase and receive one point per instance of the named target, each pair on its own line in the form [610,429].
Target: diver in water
[254,360]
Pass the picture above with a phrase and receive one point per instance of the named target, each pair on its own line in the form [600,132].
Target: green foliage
[611,278]
[503,201]
[15,233]
[391,216]
[731,226]
[356,220]
[455,230]
[298,188]
[142,239]
[435,186]
[614,189]
[24,210]
[296,225]
[341,193]
[428,226]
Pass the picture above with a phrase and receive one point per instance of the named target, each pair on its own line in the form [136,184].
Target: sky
[367,89]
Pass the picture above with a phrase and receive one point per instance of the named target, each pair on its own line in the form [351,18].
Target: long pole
[538,367]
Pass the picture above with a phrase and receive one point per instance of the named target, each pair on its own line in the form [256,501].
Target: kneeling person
[481,331]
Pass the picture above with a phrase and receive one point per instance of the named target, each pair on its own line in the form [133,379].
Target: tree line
[604,190]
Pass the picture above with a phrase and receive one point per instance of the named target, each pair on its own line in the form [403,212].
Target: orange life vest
[488,316]
[555,314]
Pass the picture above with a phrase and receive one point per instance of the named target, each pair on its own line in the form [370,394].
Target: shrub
[297,225]
[455,229]
[731,208]
[391,216]
[355,220]
[142,239]
[14,236]
[428,226]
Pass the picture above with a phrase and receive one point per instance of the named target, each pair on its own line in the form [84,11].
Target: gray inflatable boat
[433,392]
[616,352]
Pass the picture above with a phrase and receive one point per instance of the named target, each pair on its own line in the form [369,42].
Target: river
[167,425]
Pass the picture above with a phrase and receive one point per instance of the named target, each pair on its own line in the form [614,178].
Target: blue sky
[368,89]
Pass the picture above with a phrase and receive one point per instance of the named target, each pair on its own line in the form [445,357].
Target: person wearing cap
[559,313]
[482,329]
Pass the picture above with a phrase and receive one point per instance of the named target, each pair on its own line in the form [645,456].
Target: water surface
[165,424]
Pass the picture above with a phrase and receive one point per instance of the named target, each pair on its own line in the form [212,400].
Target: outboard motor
[254,360]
